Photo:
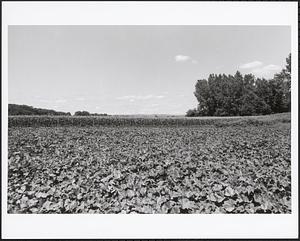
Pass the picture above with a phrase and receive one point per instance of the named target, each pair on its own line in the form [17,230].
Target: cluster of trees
[81,113]
[86,113]
[14,109]
[228,95]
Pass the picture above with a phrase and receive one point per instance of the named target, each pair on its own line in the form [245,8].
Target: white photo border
[156,225]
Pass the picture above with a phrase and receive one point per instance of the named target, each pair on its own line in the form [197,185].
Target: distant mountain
[14,109]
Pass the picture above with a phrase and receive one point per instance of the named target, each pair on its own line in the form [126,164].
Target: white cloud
[185,58]
[259,70]
[272,67]
[182,58]
[251,65]
[267,71]
[145,97]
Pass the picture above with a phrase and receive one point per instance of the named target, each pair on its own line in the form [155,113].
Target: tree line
[86,113]
[14,109]
[238,95]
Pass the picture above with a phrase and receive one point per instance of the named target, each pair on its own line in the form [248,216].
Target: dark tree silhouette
[14,109]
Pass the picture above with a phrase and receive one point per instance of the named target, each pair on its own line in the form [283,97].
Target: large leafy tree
[202,94]
[283,79]
[226,95]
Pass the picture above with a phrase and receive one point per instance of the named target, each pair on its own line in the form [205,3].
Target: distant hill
[14,109]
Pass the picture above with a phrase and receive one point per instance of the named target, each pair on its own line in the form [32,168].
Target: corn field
[52,121]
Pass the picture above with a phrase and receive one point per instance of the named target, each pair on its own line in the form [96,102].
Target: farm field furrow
[175,169]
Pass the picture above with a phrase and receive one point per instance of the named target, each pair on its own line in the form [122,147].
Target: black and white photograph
[149,119]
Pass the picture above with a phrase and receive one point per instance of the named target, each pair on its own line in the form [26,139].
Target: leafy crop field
[238,165]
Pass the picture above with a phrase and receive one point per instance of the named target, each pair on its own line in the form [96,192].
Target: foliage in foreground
[194,169]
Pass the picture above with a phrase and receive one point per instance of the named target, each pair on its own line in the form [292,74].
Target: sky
[133,69]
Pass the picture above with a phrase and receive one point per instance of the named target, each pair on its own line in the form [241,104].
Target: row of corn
[51,121]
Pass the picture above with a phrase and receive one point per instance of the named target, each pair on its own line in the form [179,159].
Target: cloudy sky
[133,69]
